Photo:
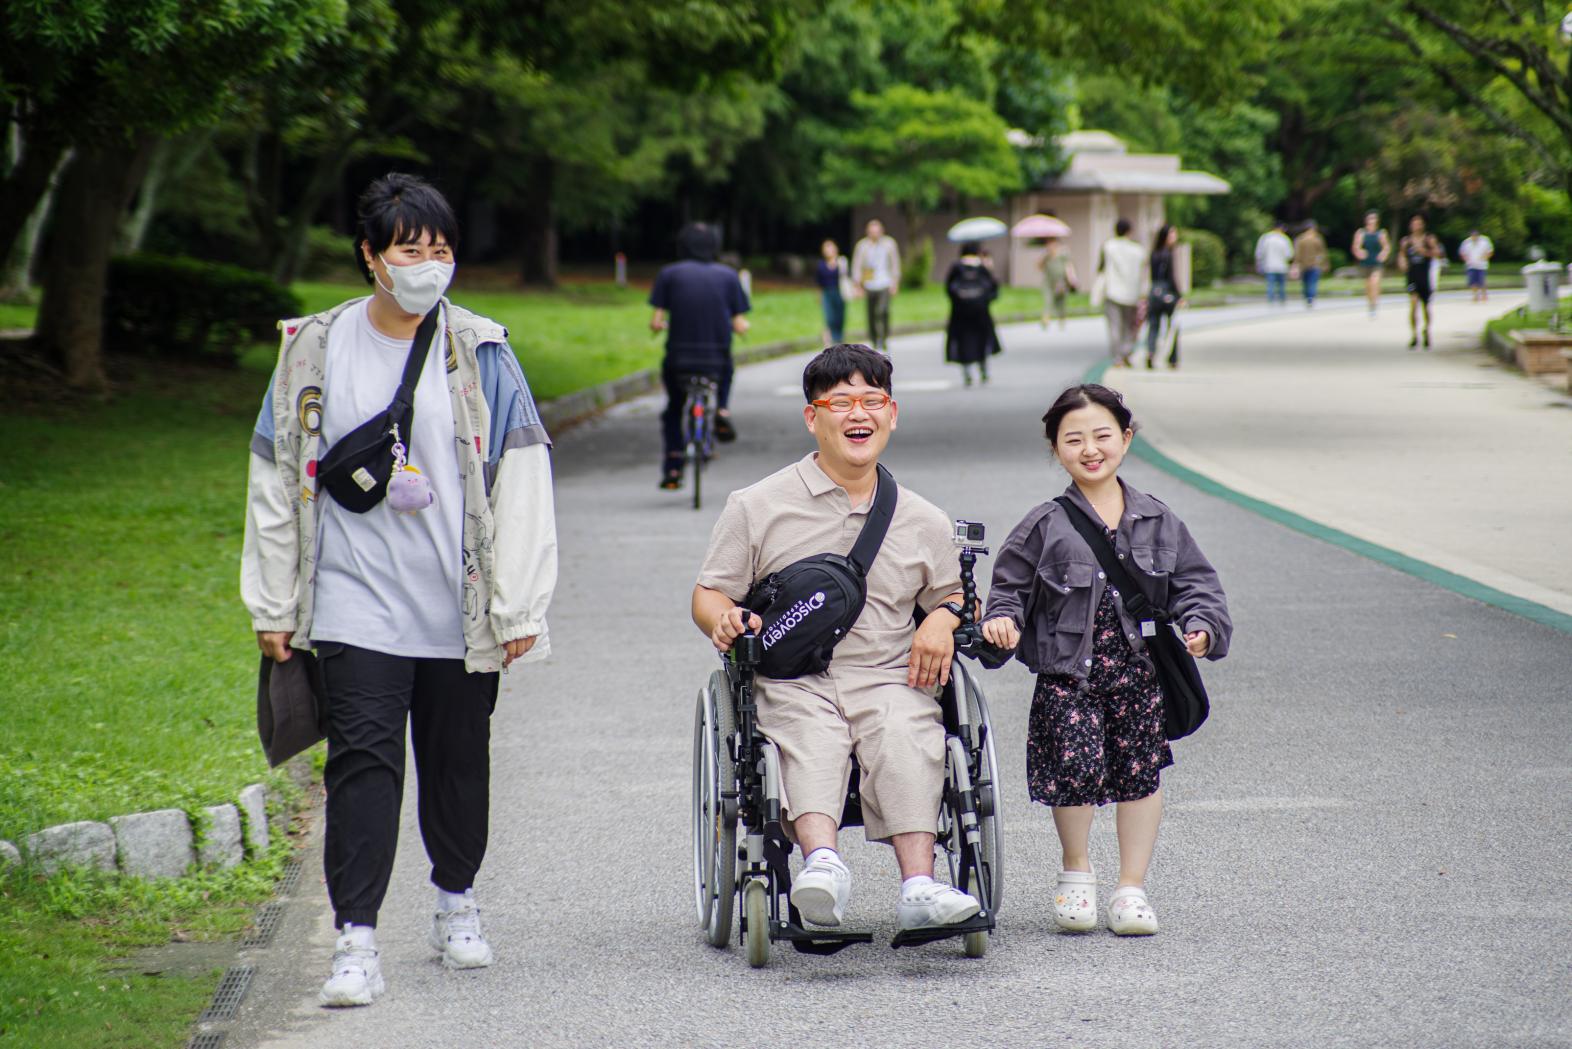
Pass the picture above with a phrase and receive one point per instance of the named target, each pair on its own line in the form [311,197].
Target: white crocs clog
[1130,913]
[1075,901]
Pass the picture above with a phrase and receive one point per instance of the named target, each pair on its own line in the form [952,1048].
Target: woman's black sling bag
[1185,704]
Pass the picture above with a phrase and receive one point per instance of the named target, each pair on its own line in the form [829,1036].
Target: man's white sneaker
[821,890]
[934,904]
[456,934]
[357,976]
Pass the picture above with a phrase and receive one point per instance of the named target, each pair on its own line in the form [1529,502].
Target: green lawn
[126,658]
[70,975]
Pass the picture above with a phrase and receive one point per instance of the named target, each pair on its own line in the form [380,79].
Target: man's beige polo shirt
[798,512]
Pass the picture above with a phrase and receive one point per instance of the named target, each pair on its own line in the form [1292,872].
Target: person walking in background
[1163,299]
[970,337]
[1415,253]
[1475,251]
[1058,281]
[1120,264]
[1273,254]
[1370,248]
[414,596]
[876,271]
[830,276]
[699,303]
[1095,732]
[1311,260]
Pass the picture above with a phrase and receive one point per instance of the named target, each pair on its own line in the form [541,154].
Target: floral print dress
[1103,742]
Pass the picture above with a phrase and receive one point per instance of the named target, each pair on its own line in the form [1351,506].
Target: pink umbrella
[1035,227]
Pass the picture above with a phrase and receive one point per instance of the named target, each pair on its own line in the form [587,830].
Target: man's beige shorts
[818,722]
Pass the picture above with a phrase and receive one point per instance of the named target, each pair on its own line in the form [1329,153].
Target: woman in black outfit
[1164,297]
[970,338]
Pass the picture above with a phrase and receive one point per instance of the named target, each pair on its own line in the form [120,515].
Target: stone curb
[161,844]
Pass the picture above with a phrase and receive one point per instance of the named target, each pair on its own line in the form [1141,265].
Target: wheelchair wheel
[990,807]
[714,833]
[756,919]
[975,944]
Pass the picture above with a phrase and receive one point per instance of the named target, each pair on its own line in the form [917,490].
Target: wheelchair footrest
[816,942]
[982,922]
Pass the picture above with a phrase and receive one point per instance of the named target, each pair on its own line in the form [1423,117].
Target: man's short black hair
[397,208]
[699,240]
[1121,227]
[839,363]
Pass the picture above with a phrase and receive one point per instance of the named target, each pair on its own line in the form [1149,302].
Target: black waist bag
[1185,703]
[808,606]
[356,470]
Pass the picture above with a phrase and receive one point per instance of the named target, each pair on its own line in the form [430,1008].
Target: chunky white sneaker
[357,976]
[456,934]
[934,903]
[820,892]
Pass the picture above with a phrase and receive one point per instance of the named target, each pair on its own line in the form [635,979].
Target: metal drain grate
[291,877]
[268,917]
[231,989]
[206,1040]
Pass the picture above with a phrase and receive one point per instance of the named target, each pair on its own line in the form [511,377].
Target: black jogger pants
[370,697]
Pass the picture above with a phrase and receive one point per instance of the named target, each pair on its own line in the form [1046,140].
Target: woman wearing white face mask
[412,607]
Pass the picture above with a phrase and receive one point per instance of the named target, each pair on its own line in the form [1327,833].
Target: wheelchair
[741,854]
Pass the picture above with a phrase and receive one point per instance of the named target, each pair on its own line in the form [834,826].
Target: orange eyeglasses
[871,402]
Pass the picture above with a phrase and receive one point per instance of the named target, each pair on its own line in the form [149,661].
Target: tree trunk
[325,177]
[16,276]
[540,226]
[36,162]
[94,192]
[134,230]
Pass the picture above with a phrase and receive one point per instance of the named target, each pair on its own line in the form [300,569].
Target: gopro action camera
[969,534]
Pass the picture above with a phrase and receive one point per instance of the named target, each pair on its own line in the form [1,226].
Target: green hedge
[1208,257]
[165,306]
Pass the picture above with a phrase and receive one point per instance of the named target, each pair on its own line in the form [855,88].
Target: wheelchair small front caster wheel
[974,943]
[756,918]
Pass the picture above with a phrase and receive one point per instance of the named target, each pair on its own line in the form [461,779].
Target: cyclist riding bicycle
[877,699]
[699,303]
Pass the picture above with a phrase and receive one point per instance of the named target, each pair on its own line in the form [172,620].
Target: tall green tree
[1508,62]
[106,80]
[915,149]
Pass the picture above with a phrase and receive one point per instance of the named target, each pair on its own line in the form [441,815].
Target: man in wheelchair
[877,698]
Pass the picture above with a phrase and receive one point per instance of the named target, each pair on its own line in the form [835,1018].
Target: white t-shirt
[876,262]
[388,581]
[1475,252]
[1123,263]
[1273,252]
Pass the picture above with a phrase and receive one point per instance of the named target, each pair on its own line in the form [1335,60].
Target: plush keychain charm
[408,489]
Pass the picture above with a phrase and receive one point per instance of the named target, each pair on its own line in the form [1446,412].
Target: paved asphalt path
[1366,846]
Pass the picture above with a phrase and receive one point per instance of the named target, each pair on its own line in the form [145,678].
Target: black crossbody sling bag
[1185,703]
[808,606]
[356,470]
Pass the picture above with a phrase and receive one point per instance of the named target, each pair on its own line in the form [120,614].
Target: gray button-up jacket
[1048,581]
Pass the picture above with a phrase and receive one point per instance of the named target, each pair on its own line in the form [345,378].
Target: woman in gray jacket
[1095,734]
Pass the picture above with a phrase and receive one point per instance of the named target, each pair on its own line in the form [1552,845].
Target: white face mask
[417,288]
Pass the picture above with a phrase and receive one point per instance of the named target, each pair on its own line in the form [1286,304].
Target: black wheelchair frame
[736,778]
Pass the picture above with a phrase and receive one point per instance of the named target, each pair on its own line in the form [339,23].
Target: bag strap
[1135,599]
[879,516]
[419,350]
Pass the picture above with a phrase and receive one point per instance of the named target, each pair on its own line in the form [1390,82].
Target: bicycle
[698,426]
